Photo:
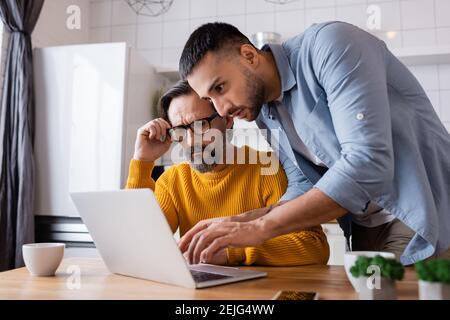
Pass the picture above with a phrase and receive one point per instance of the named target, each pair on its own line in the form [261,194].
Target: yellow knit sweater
[187,197]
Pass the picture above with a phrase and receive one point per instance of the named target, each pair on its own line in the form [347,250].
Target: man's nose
[220,107]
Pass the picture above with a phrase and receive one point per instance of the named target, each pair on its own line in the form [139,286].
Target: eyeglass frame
[191,125]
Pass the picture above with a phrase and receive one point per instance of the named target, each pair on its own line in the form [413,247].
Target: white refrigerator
[90,100]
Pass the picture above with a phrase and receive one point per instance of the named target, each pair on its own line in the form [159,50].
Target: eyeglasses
[200,126]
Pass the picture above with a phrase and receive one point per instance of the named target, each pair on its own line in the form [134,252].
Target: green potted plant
[376,277]
[434,279]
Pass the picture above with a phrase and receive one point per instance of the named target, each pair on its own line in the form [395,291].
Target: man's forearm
[256,213]
[311,209]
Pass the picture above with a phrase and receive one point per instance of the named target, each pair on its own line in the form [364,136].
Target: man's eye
[219,88]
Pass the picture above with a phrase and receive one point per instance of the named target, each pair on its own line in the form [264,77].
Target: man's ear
[250,55]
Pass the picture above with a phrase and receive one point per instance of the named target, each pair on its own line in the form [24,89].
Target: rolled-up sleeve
[349,64]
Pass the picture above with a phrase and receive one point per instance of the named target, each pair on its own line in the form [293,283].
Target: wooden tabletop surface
[98,283]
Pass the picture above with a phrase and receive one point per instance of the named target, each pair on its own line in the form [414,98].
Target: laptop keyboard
[201,276]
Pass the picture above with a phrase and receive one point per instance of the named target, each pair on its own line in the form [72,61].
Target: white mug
[42,259]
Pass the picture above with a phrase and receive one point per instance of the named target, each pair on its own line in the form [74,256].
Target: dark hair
[181,88]
[208,37]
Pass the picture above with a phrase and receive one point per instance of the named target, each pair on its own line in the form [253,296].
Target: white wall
[160,39]
[417,22]
[51,28]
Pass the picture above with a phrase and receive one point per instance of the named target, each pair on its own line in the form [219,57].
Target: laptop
[134,239]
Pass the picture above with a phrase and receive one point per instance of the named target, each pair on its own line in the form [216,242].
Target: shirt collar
[284,69]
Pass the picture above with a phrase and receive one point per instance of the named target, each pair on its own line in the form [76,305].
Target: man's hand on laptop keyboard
[202,225]
[220,258]
[185,240]
[218,236]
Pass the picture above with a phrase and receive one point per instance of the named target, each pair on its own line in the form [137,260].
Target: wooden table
[98,283]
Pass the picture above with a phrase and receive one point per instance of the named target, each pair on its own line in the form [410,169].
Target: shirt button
[360,116]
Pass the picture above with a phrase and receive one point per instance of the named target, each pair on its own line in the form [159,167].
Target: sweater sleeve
[139,177]
[293,249]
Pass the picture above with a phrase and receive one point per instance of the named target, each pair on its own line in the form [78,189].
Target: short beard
[202,167]
[256,93]
[209,166]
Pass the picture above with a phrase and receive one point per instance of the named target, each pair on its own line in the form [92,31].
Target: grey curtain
[17,132]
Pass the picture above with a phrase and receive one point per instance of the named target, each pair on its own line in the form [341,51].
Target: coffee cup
[42,259]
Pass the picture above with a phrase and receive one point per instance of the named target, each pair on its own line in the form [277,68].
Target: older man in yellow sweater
[203,189]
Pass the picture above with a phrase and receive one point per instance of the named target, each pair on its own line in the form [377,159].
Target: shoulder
[308,36]
[342,36]
[268,171]
[251,154]
[300,48]
[174,173]
[266,162]
[324,34]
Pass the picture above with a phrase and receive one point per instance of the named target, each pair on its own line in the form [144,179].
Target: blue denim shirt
[362,112]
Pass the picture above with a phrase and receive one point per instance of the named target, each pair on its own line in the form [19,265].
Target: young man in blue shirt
[358,138]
